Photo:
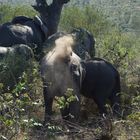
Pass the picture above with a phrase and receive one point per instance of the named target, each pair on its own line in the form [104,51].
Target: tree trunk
[50,14]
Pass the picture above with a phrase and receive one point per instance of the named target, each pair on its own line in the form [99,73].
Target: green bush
[8,12]
[88,18]
[21,105]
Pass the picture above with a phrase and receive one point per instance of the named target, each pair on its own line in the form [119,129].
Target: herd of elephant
[67,62]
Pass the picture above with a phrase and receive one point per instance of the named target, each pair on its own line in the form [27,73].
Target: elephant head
[84,43]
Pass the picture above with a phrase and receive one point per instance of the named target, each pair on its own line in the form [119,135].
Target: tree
[50,14]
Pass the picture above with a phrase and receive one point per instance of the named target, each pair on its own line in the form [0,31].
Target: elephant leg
[74,111]
[101,105]
[115,103]
[71,113]
[65,113]
[48,101]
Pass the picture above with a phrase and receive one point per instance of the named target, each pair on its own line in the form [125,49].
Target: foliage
[19,102]
[8,12]
[64,101]
[11,68]
[21,87]
[88,18]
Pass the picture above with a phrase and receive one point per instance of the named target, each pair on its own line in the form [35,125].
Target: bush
[8,12]
[18,105]
[21,105]
[88,18]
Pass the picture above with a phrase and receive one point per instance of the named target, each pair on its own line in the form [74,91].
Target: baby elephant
[101,82]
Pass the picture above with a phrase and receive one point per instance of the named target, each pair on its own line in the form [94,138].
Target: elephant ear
[85,43]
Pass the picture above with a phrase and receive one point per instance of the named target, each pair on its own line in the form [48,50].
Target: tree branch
[41,6]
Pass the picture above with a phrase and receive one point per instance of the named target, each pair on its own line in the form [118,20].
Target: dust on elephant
[101,83]
[84,42]
[61,70]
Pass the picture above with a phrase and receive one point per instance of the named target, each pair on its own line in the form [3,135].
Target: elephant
[20,49]
[20,20]
[96,79]
[84,43]
[28,33]
[101,82]
[61,71]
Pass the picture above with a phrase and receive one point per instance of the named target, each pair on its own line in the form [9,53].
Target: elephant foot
[47,120]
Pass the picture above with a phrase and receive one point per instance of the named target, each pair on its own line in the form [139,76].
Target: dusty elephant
[60,71]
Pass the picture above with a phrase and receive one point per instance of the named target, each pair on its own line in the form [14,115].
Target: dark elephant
[28,33]
[101,83]
[96,79]
[84,43]
[20,20]
[61,70]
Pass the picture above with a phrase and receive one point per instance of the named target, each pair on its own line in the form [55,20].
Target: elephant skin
[84,42]
[27,33]
[20,20]
[101,82]
[61,70]
[20,49]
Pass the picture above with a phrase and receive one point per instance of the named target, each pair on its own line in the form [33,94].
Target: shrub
[88,18]
[8,12]
[21,105]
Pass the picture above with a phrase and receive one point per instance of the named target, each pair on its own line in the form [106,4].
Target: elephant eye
[73,67]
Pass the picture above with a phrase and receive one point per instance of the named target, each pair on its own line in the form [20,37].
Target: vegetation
[8,12]
[21,101]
